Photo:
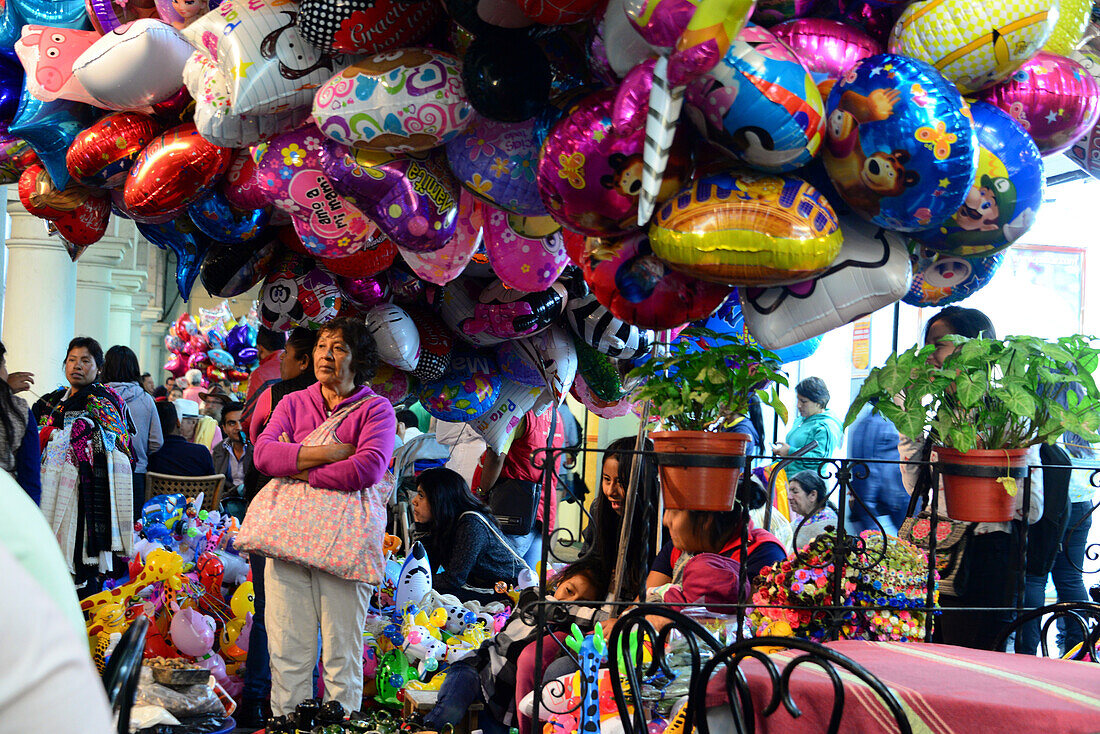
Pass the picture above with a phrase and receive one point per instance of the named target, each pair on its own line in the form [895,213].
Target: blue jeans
[257,667]
[460,688]
[1068,581]
[529,546]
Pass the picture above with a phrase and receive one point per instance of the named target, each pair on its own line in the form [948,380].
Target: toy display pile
[218,345]
[517,195]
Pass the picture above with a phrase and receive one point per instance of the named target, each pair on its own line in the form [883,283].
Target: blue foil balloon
[11,28]
[1003,200]
[224,223]
[940,279]
[182,237]
[11,87]
[900,146]
[50,128]
[53,13]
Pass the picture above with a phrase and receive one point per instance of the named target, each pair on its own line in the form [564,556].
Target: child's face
[680,531]
[578,587]
[610,486]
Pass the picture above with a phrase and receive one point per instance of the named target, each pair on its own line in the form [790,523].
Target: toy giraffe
[591,653]
[106,628]
[160,565]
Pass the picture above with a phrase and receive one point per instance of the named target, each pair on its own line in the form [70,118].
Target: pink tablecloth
[944,689]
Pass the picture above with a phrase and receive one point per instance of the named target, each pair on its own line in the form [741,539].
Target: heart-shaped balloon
[103,154]
[173,172]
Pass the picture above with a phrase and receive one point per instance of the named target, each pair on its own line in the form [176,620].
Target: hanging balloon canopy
[515,194]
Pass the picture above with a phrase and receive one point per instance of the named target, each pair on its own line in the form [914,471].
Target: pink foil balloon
[447,263]
[241,183]
[528,253]
[366,292]
[827,47]
[1054,98]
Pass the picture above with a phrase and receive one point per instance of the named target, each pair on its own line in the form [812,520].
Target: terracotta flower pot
[699,469]
[970,484]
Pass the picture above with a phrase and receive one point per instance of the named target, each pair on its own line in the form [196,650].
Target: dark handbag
[514,503]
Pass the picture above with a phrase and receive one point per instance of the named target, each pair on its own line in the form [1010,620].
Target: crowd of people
[87,452]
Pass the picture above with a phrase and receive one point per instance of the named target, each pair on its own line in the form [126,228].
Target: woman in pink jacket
[301,599]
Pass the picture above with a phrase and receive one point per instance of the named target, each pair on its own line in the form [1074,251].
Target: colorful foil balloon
[80,214]
[106,15]
[241,185]
[11,87]
[402,101]
[466,392]
[458,302]
[828,48]
[747,229]
[596,326]
[393,385]
[436,345]
[103,154]
[230,270]
[900,146]
[173,172]
[367,291]
[1073,19]
[513,402]
[590,176]
[496,161]
[448,262]
[940,279]
[298,293]
[16,155]
[364,26]
[412,199]
[223,222]
[1055,99]
[47,55]
[504,313]
[527,253]
[181,236]
[871,272]
[1005,197]
[1086,151]
[760,104]
[641,289]
[49,128]
[973,44]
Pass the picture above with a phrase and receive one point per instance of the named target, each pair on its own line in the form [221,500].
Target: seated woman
[460,534]
[808,499]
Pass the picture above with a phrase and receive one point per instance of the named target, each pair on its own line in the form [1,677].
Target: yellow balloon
[1073,19]
[974,43]
[243,600]
[231,632]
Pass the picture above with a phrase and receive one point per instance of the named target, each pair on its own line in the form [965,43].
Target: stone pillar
[93,289]
[39,301]
[125,285]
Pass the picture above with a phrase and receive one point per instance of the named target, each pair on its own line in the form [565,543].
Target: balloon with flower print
[466,392]
[496,161]
[391,383]
[290,175]
[527,253]
[401,101]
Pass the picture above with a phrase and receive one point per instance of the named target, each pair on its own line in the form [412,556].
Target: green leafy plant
[707,380]
[990,393]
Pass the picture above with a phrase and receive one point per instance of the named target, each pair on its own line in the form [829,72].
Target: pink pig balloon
[290,176]
[193,633]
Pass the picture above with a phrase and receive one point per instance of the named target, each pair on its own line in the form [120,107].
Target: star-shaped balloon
[182,237]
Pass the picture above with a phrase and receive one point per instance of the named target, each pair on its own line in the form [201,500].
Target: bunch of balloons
[216,345]
[518,195]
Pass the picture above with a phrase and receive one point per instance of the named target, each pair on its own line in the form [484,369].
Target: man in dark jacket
[178,457]
[233,456]
[882,489]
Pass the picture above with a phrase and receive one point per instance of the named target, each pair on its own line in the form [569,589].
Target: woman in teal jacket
[815,423]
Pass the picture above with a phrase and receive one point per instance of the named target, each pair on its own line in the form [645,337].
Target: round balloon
[102,154]
[298,293]
[507,78]
[770,12]
[173,172]
[602,408]
[513,402]
[496,161]
[364,26]
[447,263]
[1055,99]
[401,101]
[366,292]
[760,104]
[747,229]
[413,200]
[590,176]
[1005,197]
[973,44]
[827,47]
[596,326]
[395,335]
[641,289]
[940,279]
[1073,19]
[467,391]
[900,146]
[527,253]
[392,384]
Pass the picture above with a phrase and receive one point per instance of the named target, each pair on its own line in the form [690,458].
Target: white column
[125,286]
[93,289]
[39,301]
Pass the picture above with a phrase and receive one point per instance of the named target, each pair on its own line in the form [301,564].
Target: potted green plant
[702,384]
[991,401]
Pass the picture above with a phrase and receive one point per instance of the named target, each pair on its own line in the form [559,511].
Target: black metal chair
[1084,616]
[740,697]
[120,677]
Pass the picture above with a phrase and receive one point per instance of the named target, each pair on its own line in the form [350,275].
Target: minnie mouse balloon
[974,45]
[590,175]
[298,293]
[496,161]
[402,101]
[1051,97]
[268,66]
[458,305]
[413,200]
[173,172]
[396,336]
[103,154]
[643,290]
[596,326]
[467,391]
[900,146]
[504,313]
[47,55]
[1005,197]
[527,253]
[827,47]
[364,26]
[134,66]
